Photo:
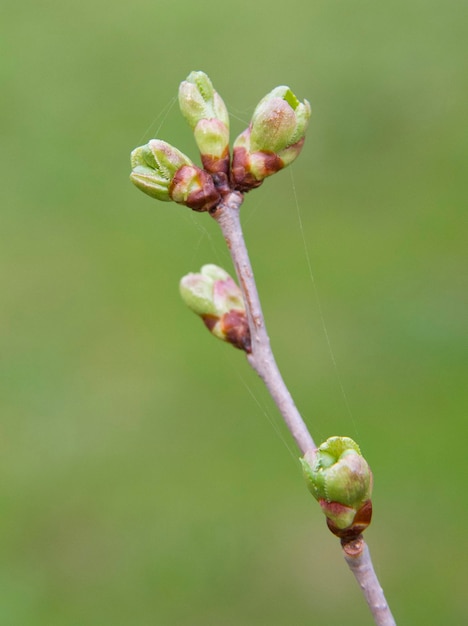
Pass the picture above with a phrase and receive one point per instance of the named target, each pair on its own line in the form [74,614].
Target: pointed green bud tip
[273,140]
[215,297]
[340,479]
[198,100]
[154,166]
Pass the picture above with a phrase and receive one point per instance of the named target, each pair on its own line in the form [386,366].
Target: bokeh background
[146,477]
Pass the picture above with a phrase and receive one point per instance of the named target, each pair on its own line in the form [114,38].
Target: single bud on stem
[165,173]
[340,479]
[273,139]
[214,296]
[154,165]
[208,117]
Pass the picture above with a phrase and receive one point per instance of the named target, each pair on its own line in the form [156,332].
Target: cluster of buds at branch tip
[340,479]
[165,173]
[208,117]
[273,140]
[214,296]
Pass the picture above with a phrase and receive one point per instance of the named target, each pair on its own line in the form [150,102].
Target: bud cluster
[273,139]
[340,480]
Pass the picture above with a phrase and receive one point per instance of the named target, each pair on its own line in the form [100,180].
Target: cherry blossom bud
[154,165]
[165,173]
[273,139]
[214,296]
[208,117]
[340,479]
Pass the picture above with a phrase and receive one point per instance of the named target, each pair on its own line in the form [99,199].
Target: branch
[355,552]
[358,558]
[261,357]
[336,473]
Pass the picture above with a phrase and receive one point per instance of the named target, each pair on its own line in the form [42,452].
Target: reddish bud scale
[202,197]
[361,521]
[216,165]
[243,179]
[234,324]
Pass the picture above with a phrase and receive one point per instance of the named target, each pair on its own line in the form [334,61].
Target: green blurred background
[146,476]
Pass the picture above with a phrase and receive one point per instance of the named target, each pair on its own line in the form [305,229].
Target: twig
[261,357]
[357,556]
[356,552]
[273,139]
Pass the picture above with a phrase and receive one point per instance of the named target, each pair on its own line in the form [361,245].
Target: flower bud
[340,479]
[208,117]
[214,296]
[279,121]
[273,139]
[154,165]
[165,173]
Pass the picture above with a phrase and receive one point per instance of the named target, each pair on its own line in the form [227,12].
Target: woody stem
[261,356]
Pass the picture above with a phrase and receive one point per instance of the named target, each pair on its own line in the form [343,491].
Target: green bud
[340,479]
[279,121]
[198,100]
[208,117]
[165,173]
[214,296]
[273,140]
[154,166]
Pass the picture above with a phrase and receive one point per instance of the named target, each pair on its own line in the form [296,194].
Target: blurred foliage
[146,476]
